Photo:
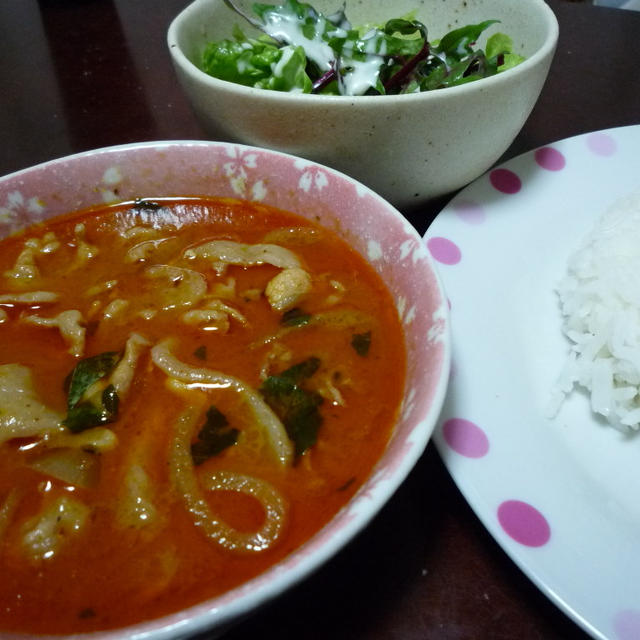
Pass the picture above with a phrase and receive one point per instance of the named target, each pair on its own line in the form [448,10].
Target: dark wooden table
[81,74]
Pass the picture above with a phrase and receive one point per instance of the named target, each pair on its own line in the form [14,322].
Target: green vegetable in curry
[296,406]
[88,405]
[215,436]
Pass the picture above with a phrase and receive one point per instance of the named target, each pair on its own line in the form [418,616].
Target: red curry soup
[189,390]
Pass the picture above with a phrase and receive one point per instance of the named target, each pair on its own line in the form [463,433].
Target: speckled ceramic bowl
[408,148]
[369,223]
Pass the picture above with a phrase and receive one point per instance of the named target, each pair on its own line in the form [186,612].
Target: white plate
[562,495]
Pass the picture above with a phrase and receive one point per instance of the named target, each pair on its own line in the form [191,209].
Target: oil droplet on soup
[189,390]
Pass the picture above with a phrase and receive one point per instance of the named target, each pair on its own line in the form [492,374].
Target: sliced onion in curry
[75,467]
[263,414]
[186,482]
[7,508]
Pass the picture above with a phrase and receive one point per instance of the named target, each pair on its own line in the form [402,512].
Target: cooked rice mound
[600,304]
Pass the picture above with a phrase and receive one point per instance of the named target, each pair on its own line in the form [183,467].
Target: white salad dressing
[279,66]
[286,28]
[356,75]
[359,75]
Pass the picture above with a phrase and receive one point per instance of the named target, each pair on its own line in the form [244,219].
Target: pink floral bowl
[370,224]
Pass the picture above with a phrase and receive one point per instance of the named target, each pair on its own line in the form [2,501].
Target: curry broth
[115,569]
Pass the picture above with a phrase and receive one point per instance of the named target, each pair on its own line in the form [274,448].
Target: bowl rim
[181,60]
[218,613]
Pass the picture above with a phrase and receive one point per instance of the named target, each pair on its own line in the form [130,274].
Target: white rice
[600,304]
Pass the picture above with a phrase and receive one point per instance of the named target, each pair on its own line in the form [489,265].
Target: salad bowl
[408,147]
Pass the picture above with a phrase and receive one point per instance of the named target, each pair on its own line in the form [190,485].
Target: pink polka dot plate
[560,495]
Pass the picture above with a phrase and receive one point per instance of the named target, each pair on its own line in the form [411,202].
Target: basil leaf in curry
[361,342]
[214,437]
[102,406]
[201,352]
[296,406]
[295,318]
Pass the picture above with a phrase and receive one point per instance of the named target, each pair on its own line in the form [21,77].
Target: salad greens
[302,50]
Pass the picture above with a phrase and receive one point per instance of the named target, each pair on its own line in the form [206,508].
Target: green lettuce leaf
[458,43]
